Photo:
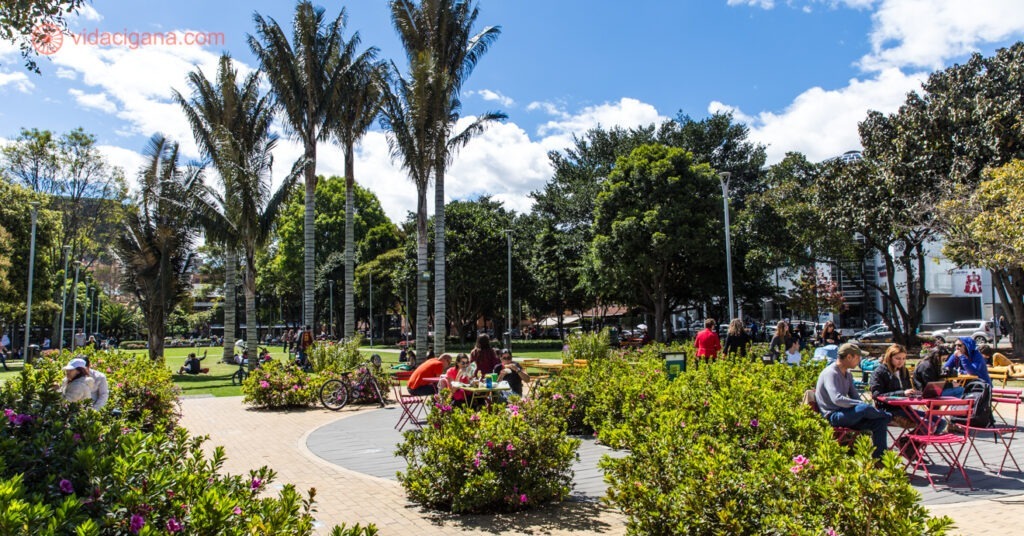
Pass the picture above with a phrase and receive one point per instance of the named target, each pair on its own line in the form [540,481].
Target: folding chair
[413,408]
[844,436]
[1003,432]
[944,444]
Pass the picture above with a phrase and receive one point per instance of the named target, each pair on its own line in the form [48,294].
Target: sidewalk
[278,439]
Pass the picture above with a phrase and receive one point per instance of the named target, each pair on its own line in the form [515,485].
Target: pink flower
[256,483]
[9,413]
[136,523]
[754,423]
[173,525]
[66,486]
[523,462]
[556,396]
[510,447]
[642,396]
[474,417]
[264,384]
[523,499]
[830,532]
[237,511]
[490,444]
[800,460]
[795,469]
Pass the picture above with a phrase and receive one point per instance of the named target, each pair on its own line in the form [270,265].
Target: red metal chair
[413,408]
[844,436]
[948,445]
[1003,432]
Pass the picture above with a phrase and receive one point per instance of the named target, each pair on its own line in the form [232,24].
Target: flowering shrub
[588,346]
[729,449]
[499,458]
[278,385]
[66,469]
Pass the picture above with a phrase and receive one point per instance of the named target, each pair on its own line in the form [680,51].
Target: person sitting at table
[793,354]
[782,339]
[891,378]
[484,356]
[431,368]
[459,373]
[994,358]
[930,370]
[840,402]
[966,359]
[707,342]
[511,372]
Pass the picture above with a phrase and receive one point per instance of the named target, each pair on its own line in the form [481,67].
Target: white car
[979,330]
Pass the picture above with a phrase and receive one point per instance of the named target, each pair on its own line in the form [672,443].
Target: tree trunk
[440,317]
[659,317]
[309,237]
[252,325]
[350,249]
[230,279]
[1011,292]
[155,327]
[421,269]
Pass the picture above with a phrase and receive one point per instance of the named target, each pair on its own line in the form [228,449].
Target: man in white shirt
[100,391]
[79,339]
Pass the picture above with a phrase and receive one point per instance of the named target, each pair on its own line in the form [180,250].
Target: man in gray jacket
[840,402]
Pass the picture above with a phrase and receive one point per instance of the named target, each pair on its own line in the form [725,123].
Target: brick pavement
[252,438]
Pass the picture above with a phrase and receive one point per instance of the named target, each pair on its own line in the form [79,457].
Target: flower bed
[501,458]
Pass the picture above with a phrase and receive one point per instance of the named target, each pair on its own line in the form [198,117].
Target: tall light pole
[31,270]
[508,322]
[88,308]
[74,302]
[723,178]
[64,296]
[371,310]
[330,283]
[96,310]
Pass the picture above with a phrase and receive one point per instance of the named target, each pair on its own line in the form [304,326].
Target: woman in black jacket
[736,339]
[829,335]
[891,378]
[930,370]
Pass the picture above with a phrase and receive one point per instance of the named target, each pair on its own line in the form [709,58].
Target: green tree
[15,239]
[358,99]
[156,244]
[442,31]
[21,22]
[304,75]
[655,219]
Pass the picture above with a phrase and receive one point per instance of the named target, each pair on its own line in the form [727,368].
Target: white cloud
[66,74]
[548,108]
[763,4]
[89,13]
[823,123]
[718,107]
[489,95]
[627,112]
[928,33]
[17,80]
[97,101]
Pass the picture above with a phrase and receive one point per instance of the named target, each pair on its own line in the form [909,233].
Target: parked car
[878,335]
[869,329]
[979,330]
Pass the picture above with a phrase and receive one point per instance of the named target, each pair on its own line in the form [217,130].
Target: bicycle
[335,394]
[243,367]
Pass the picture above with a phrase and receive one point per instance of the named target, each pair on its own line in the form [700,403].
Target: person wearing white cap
[100,392]
[77,384]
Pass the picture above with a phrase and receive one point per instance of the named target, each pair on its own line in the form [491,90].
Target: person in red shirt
[431,368]
[707,342]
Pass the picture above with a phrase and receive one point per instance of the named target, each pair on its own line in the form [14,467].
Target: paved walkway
[279,439]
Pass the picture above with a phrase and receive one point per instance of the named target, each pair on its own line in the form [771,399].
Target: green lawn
[218,381]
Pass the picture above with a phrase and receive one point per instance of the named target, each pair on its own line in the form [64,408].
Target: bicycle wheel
[334,394]
[238,377]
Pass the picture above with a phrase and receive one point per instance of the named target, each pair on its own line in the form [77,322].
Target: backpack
[981,393]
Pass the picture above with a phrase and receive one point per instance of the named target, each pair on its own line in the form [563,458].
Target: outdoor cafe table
[907,405]
[481,391]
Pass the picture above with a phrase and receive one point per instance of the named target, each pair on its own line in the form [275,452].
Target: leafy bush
[588,346]
[133,345]
[65,469]
[278,385]
[500,458]
[337,357]
[728,448]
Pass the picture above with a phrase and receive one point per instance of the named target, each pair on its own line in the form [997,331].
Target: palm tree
[443,29]
[357,104]
[405,118]
[231,123]
[303,78]
[156,242]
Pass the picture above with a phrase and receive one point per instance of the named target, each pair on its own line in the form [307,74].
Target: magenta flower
[510,447]
[264,384]
[66,486]
[795,469]
[9,413]
[77,437]
[256,483]
[136,523]
[800,460]
[474,417]
[523,499]
[173,525]
[642,396]
[830,532]
[237,511]
[754,423]
[490,444]
[556,396]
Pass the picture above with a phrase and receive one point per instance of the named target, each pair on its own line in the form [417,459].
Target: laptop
[933,389]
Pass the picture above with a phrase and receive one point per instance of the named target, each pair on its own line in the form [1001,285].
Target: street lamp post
[74,302]
[330,283]
[96,310]
[723,177]
[508,322]
[88,309]
[31,270]
[371,310]
[64,296]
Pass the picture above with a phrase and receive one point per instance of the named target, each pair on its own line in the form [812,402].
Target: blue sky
[800,73]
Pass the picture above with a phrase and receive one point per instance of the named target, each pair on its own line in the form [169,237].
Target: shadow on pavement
[569,516]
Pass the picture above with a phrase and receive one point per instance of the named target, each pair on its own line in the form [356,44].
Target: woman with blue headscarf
[968,360]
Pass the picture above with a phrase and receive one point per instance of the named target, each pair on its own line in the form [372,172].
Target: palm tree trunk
[252,325]
[155,326]
[350,248]
[309,238]
[421,268]
[230,280]
[440,319]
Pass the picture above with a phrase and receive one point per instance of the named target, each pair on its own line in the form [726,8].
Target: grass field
[218,381]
